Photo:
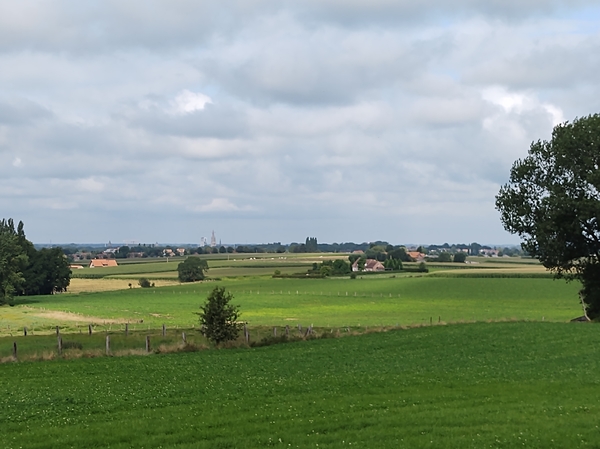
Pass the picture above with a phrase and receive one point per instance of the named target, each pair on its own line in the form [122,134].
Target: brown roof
[372,264]
[416,255]
[99,263]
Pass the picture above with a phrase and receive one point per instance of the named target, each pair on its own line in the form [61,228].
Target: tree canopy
[13,261]
[552,202]
[192,269]
[27,271]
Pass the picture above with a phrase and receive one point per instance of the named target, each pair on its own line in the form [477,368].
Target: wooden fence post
[60,345]
[25,332]
[183,337]
[274,332]
[287,331]
[57,331]
[107,344]
[164,330]
[126,329]
[147,343]
[89,329]
[15,349]
[300,327]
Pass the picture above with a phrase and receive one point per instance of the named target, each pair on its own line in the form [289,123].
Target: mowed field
[500,385]
[337,302]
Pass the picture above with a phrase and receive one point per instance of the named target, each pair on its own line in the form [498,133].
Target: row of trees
[27,271]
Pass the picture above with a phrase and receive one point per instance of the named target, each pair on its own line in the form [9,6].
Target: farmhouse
[100,263]
[416,256]
[370,265]
[489,252]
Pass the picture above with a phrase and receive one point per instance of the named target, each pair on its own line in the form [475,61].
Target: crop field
[337,302]
[500,385]
[234,265]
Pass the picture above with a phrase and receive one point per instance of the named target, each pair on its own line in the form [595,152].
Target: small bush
[145,283]
[352,275]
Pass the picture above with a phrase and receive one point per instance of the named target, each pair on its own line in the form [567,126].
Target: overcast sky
[346,120]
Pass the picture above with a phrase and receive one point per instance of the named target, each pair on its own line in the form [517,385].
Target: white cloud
[221,205]
[90,185]
[187,102]
[519,104]
[17,162]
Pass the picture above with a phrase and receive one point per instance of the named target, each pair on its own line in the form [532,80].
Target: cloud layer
[271,121]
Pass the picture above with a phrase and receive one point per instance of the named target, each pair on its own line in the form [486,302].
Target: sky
[161,121]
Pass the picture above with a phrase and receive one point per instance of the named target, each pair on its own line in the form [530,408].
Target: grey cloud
[213,121]
[21,112]
[436,111]
[320,67]
[84,27]
[393,12]
[552,63]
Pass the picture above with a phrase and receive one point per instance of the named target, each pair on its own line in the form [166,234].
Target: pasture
[499,385]
[378,300]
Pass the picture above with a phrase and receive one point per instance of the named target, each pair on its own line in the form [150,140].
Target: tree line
[27,271]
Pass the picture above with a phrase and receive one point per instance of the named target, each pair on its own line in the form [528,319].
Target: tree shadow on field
[25,300]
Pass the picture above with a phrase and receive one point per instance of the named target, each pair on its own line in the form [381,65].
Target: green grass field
[499,385]
[522,382]
[370,301]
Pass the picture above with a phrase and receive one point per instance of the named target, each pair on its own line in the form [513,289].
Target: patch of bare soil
[68,316]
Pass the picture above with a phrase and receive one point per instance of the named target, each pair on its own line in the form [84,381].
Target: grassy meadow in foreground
[371,301]
[500,385]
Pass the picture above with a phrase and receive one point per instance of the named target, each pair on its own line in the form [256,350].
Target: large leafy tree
[48,272]
[552,202]
[192,269]
[13,261]
[219,318]
[26,271]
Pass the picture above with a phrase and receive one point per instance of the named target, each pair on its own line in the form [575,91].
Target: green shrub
[145,283]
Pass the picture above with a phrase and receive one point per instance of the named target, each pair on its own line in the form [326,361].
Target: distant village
[96,256]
